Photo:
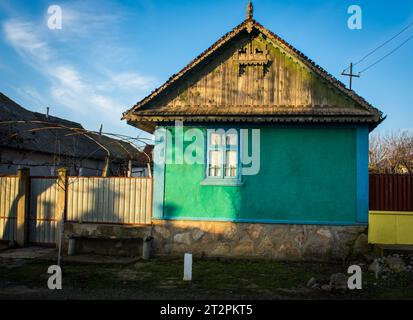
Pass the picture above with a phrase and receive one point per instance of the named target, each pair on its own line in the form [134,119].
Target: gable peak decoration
[252,55]
[250,10]
[250,18]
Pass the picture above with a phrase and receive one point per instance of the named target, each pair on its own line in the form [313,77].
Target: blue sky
[110,54]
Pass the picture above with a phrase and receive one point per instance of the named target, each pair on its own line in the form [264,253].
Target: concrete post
[62,178]
[23,206]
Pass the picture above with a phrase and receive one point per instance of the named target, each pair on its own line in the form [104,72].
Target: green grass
[212,278]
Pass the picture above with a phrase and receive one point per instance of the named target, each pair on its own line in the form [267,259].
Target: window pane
[231,139]
[231,164]
[215,163]
[215,139]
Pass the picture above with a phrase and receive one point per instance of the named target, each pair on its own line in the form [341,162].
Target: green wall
[306,175]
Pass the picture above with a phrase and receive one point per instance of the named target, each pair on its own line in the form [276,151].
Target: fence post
[23,206]
[61,203]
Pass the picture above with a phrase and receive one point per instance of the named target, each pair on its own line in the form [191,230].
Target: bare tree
[392,152]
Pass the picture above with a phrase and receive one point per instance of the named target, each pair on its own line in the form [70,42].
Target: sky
[108,55]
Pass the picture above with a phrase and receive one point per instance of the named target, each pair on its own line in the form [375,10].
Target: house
[44,143]
[144,162]
[278,152]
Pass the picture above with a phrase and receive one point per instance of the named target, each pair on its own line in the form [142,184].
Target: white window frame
[223,148]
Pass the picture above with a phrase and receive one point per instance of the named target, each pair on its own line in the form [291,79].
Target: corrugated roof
[53,135]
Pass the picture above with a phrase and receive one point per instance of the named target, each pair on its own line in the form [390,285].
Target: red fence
[391,192]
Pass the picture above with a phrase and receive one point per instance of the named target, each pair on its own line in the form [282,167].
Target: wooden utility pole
[350,75]
[106,166]
[62,183]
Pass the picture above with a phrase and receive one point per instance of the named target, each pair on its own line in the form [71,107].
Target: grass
[212,279]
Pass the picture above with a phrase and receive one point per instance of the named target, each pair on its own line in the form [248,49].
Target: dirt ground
[24,276]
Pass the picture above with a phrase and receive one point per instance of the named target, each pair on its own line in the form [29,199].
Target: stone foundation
[227,239]
[254,240]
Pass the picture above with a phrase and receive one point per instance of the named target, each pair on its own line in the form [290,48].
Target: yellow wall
[391,227]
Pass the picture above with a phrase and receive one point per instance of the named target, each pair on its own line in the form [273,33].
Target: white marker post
[188,267]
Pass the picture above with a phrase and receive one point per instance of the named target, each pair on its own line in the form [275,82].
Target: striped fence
[9,190]
[391,192]
[42,210]
[114,200]
[32,208]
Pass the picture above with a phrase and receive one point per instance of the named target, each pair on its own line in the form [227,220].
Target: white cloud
[101,94]
[128,81]
[73,92]
[22,36]
[68,77]
[84,21]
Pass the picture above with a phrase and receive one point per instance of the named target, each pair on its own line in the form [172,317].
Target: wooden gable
[253,72]
[252,75]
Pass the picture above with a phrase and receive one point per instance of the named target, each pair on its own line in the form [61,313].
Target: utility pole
[351,75]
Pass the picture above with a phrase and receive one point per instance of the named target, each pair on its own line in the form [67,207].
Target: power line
[381,46]
[390,53]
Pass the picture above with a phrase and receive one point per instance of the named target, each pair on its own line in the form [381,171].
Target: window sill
[222,182]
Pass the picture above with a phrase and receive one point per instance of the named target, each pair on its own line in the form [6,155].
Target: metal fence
[42,212]
[9,190]
[113,200]
[391,192]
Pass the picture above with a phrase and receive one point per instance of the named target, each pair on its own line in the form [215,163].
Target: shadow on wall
[42,210]
[109,200]
[9,231]
[95,204]
[10,196]
[42,223]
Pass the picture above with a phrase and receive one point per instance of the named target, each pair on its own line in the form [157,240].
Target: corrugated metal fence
[391,192]
[9,189]
[114,200]
[42,216]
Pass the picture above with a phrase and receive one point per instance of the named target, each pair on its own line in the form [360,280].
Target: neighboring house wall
[140,172]
[307,175]
[41,164]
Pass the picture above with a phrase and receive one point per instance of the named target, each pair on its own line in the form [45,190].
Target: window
[222,157]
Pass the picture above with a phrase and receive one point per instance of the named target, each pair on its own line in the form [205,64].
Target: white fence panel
[9,189]
[116,200]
